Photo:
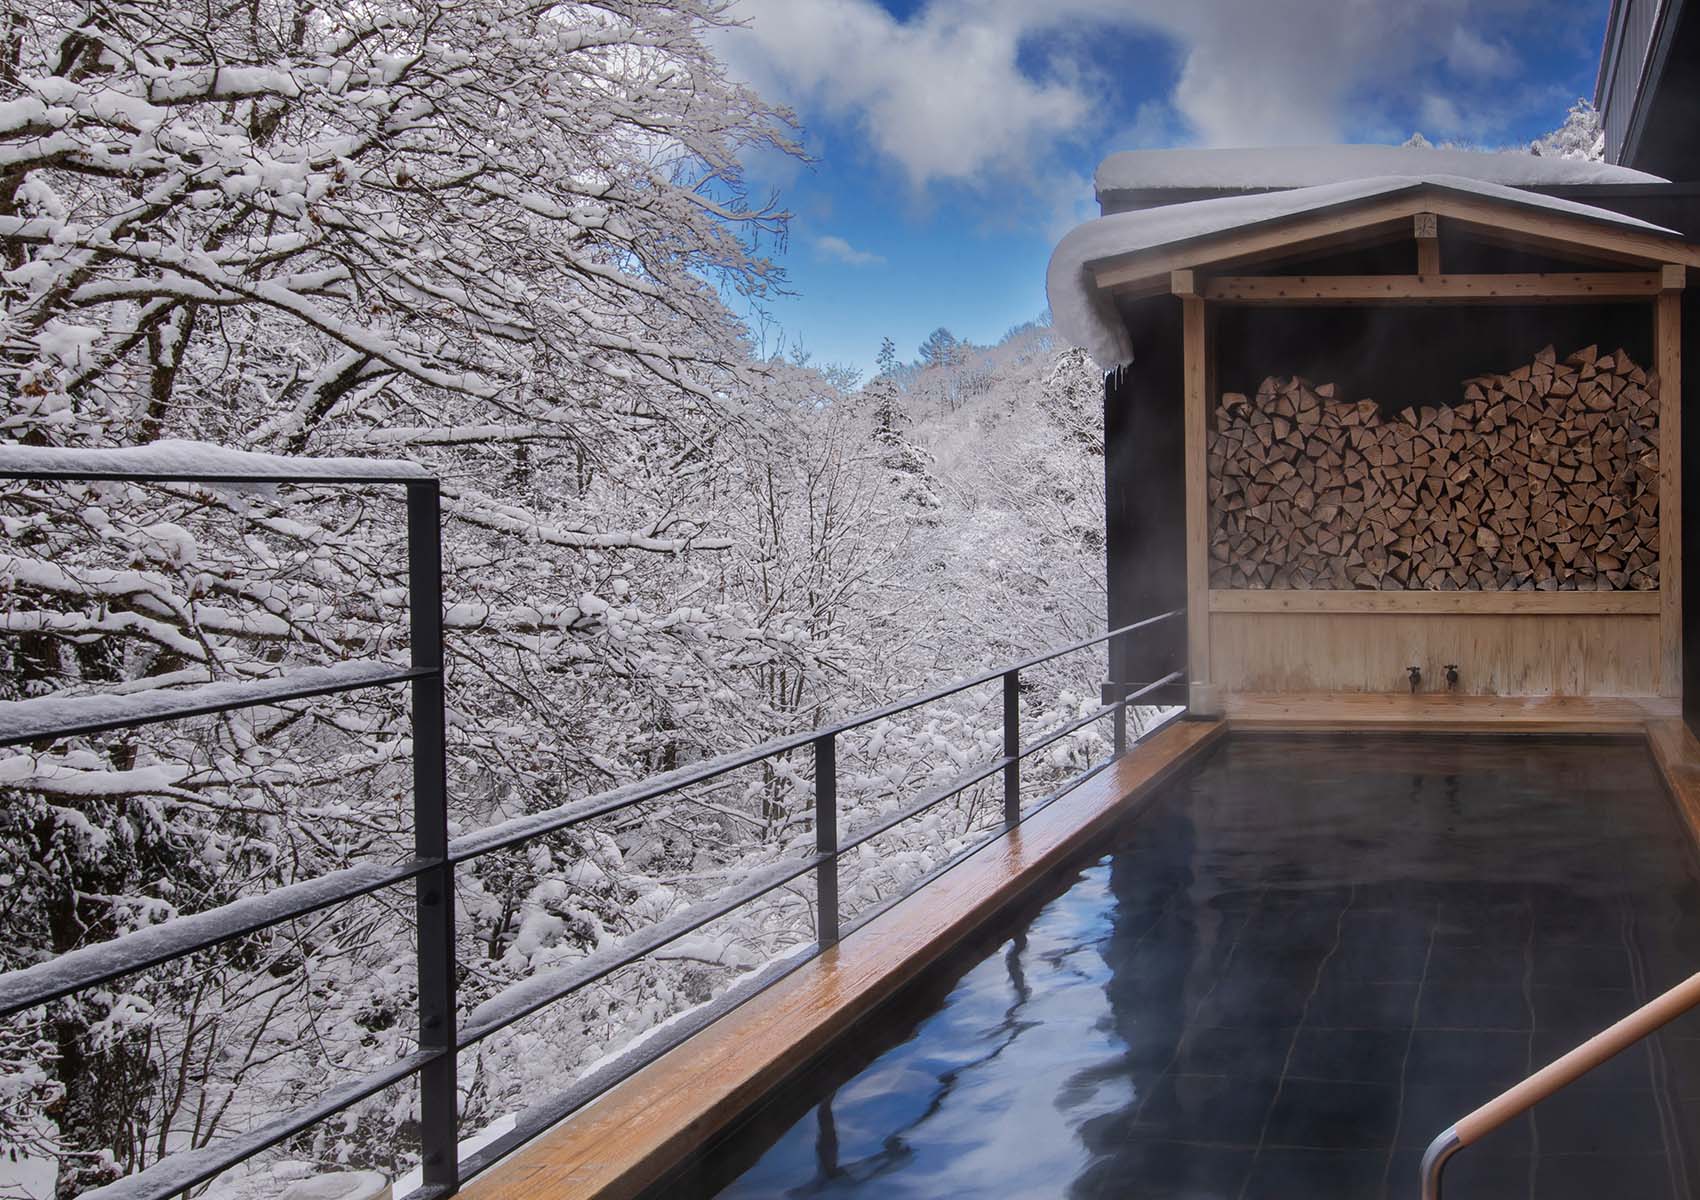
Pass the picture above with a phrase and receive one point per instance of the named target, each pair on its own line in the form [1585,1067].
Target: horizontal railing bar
[546,1113]
[106,961]
[989,677]
[522,829]
[184,1169]
[981,774]
[243,478]
[1038,806]
[53,717]
[1097,714]
[196,462]
[1062,731]
[527,996]
[963,855]
[1171,677]
[993,833]
[960,784]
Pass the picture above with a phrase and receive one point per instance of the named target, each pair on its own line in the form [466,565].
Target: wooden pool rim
[629,1139]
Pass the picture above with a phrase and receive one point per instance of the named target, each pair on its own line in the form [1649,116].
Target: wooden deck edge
[1677,753]
[631,1137]
[1348,712]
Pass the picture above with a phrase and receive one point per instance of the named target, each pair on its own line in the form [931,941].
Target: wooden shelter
[1373,425]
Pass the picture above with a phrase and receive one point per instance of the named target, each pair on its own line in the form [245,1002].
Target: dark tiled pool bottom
[1304,961]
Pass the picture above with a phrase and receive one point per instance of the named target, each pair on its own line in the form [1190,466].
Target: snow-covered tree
[1582,135]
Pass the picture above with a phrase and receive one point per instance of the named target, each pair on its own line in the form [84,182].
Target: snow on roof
[1085,316]
[173,459]
[1308,166]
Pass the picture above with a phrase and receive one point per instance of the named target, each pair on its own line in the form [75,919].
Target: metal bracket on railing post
[439,1115]
[826,839]
[1012,748]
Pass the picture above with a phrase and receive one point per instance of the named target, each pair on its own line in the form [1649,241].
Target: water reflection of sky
[989,1096]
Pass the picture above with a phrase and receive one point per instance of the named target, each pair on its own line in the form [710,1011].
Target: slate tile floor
[1299,965]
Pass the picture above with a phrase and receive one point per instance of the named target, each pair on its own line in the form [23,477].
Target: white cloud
[969,90]
[941,95]
[1155,125]
[1470,54]
[1438,114]
[833,246]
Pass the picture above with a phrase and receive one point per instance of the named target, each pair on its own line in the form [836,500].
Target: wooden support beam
[1667,348]
[1296,600]
[1182,283]
[1673,277]
[1435,289]
[1196,381]
[1426,226]
[1136,268]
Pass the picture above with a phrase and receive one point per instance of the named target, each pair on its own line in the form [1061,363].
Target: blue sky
[954,140]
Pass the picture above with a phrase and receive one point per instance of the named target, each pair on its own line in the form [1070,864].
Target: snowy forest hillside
[501,241]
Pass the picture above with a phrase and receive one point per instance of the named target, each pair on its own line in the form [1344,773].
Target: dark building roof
[1648,90]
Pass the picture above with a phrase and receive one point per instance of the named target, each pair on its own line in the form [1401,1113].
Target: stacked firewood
[1545,478]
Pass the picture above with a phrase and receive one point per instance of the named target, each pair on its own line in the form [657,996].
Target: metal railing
[1560,1073]
[441,1036]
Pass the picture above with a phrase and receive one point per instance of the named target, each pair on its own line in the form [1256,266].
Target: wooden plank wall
[1577,654]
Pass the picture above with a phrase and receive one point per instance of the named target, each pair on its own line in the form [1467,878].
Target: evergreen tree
[941,349]
[885,402]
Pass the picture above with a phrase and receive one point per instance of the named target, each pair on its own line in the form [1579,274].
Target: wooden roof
[1534,222]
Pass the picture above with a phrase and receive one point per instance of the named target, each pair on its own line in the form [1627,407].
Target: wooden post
[1667,349]
[1196,377]
[1426,227]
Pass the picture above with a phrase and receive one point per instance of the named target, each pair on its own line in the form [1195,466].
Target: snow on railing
[30,720]
[180,461]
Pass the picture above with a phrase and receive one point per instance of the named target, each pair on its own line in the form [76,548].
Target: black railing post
[1120,719]
[439,1116]
[1012,747]
[826,839]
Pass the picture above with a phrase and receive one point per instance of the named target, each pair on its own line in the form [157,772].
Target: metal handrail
[435,856]
[1560,1073]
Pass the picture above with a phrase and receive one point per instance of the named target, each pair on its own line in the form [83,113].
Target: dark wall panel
[1145,494]
[1413,356]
